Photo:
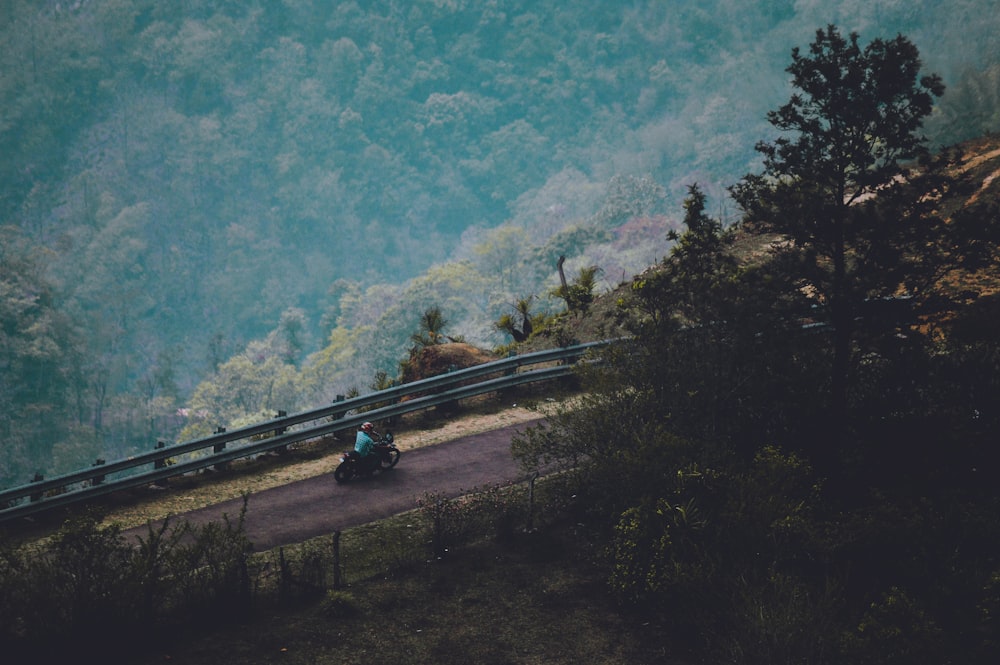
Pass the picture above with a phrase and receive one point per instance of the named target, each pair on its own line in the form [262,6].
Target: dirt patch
[440,359]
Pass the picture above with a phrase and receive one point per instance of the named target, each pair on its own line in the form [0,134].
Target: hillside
[761,544]
[205,192]
[976,189]
[975,170]
[979,170]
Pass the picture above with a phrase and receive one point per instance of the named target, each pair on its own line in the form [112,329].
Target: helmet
[367,427]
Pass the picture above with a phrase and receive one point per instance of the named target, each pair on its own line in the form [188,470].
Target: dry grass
[532,600]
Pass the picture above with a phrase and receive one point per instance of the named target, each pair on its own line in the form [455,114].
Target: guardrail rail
[164,461]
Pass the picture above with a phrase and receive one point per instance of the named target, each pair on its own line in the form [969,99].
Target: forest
[211,211]
[790,457]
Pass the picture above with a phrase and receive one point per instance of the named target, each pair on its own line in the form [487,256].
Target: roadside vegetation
[790,459]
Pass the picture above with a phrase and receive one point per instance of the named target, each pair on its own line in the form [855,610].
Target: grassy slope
[527,601]
[539,598]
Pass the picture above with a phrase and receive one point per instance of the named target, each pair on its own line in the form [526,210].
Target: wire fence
[435,529]
[89,577]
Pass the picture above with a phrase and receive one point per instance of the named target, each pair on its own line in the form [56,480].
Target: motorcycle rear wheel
[344,473]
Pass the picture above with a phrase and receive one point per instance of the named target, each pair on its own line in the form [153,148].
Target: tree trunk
[841,318]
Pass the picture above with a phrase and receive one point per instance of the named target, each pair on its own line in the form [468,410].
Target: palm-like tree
[432,324]
[519,325]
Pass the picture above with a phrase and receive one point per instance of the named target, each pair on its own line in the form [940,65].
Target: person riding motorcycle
[364,442]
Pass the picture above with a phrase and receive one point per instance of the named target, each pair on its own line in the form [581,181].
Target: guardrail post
[218,448]
[98,479]
[337,415]
[160,462]
[278,431]
[38,495]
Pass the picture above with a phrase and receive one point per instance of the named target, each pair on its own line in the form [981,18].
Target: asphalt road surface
[317,506]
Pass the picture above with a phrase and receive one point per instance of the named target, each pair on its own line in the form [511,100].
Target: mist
[207,194]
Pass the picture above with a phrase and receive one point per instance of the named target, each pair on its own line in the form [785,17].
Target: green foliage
[501,258]
[382,381]
[183,211]
[339,605]
[522,323]
[39,363]
[989,613]
[713,407]
[579,293]
[703,449]
[256,382]
[629,197]
[700,281]
[477,513]
[846,134]
[896,629]
[972,103]
[88,577]
[652,551]
[431,331]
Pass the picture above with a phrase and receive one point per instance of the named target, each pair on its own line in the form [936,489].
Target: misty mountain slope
[195,182]
[969,288]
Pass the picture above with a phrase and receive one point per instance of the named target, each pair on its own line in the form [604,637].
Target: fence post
[337,581]
[531,501]
[284,577]
[439,539]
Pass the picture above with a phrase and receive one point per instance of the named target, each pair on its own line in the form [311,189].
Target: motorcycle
[383,457]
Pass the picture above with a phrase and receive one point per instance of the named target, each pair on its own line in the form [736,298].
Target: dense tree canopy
[851,125]
[701,451]
[195,170]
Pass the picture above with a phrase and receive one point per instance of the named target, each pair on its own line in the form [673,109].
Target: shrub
[339,605]
[895,629]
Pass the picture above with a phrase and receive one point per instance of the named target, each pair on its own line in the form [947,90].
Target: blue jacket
[363,443]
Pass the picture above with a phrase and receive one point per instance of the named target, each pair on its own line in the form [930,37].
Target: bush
[89,577]
[339,605]
[895,629]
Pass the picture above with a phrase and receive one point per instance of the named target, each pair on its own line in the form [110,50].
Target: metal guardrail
[79,486]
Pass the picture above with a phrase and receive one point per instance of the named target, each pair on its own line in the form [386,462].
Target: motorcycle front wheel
[389,459]
[344,473]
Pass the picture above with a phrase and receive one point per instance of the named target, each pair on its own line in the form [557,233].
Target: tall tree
[37,346]
[847,134]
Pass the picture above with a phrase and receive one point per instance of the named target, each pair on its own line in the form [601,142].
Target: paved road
[316,506]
